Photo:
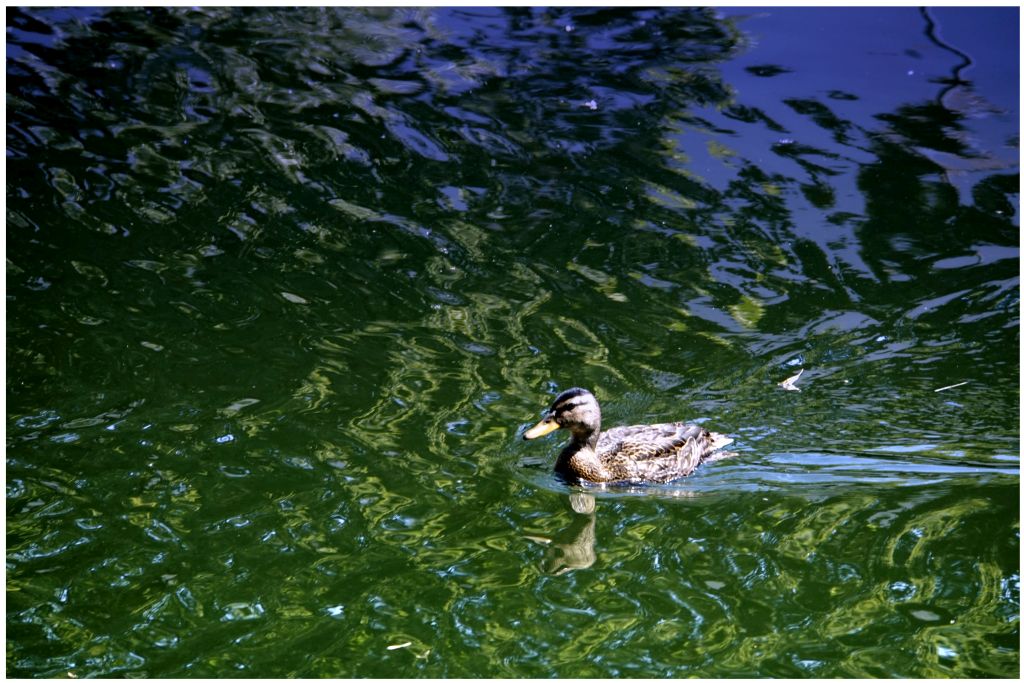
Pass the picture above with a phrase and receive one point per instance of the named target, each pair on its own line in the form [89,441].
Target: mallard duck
[636,454]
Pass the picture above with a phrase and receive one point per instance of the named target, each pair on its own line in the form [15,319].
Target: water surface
[284,287]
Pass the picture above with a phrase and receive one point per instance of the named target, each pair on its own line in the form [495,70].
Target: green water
[285,287]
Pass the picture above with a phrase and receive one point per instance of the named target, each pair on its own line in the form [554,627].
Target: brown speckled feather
[656,453]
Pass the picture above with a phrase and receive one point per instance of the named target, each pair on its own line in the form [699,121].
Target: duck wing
[649,442]
[654,453]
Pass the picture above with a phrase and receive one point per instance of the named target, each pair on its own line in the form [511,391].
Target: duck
[637,454]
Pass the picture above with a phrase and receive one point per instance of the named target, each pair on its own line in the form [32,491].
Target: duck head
[576,410]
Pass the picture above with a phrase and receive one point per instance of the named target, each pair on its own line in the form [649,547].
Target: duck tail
[719,441]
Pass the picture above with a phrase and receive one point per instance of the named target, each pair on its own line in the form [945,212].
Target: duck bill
[542,428]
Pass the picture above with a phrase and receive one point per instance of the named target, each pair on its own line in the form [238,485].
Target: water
[284,287]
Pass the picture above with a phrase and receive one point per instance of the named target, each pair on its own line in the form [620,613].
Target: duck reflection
[573,547]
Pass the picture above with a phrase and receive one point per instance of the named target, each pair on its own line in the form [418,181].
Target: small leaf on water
[294,298]
[789,384]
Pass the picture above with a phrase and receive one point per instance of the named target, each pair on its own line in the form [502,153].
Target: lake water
[285,287]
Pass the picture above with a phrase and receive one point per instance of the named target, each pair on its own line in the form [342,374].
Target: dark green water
[284,288]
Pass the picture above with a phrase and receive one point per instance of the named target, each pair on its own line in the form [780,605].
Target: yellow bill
[540,429]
